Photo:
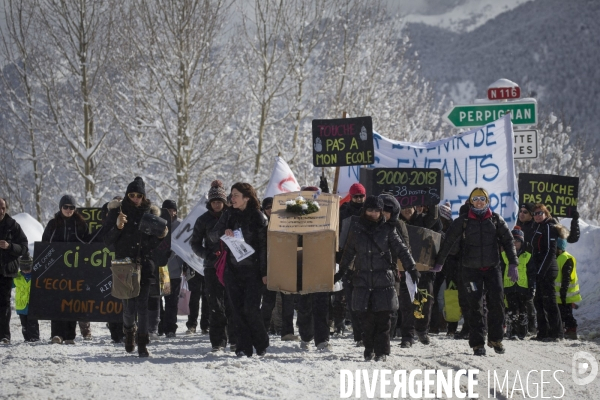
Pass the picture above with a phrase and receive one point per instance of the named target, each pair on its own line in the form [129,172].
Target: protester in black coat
[543,244]
[220,318]
[67,226]
[480,232]
[526,223]
[123,222]
[371,245]
[13,244]
[245,279]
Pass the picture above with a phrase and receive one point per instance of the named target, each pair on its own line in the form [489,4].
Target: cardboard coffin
[424,246]
[301,248]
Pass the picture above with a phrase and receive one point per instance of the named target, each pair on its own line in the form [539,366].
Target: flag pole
[337,169]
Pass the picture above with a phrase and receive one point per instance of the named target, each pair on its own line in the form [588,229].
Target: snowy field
[184,368]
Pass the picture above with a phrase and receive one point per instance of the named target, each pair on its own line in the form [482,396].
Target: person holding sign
[68,225]
[123,222]
[481,232]
[372,245]
[245,279]
[543,245]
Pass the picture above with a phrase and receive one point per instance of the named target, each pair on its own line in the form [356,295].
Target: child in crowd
[22,285]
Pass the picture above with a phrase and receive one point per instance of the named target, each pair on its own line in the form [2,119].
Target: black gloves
[323,185]
[414,274]
[575,216]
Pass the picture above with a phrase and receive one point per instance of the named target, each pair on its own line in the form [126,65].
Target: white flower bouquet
[302,206]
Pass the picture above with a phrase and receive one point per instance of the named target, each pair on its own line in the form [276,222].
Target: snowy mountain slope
[549,47]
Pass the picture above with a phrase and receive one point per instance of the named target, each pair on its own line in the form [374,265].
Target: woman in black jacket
[543,244]
[123,224]
[481,232]
[204,248]
[67,225]
[372,245]
[245,279]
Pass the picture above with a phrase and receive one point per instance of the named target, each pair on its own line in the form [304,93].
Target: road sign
[523,112]
[503,89]
[504,93]
[526,144]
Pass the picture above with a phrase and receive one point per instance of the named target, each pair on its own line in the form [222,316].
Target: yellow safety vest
[22,288]
[573,294]
[522,268]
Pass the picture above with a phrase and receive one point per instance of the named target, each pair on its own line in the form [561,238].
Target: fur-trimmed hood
[117,203]
[563,232]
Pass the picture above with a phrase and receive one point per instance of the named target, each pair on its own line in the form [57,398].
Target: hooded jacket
[480,240]
[130,241]
[374,275]
[11,231]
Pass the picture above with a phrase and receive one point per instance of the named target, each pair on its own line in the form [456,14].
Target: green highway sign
[522,112]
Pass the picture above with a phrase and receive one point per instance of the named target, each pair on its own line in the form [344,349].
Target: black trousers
[356,324]
[169,320]
[269,299]
[244,287]
[436,314]
[517,320]
[220,316]
[313,317]
[376,331]
[5,311]
[410,324]
[566,314]
[484,285]
[30,328]
[548,315]
[67,330]
[198,288]
[137,309]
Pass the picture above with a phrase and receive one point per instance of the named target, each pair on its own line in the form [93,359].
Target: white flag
[180,238]
[282,179]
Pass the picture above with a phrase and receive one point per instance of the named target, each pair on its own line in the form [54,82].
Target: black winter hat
[137,186]
[528,206]
[267,202]
[373,202]
[169,204]
[67,199]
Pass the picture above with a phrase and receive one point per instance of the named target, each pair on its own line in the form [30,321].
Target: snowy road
[183,368]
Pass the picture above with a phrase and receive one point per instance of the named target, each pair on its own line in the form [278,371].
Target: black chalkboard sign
[93,218]
[342,142]
[72,281]
[410,186]
[558,193]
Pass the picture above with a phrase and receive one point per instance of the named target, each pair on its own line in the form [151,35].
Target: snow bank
[32,228]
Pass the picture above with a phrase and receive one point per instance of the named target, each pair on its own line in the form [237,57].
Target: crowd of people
[511,283]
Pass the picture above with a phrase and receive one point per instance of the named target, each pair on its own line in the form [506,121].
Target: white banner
[282,179]
[180,238]
[481,157]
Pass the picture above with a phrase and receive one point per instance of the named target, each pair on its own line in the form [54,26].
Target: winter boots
[143,340]
[498,347]
[130,338]
[571,333]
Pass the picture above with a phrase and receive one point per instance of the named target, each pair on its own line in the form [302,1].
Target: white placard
[238,247]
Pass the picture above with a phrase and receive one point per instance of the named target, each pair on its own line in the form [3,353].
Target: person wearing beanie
[517,293]
[371,247]
[543,245]
[68,225]
[219,317]
[481,232]
[123,221]
[22,284]
[567,285]
[245,279]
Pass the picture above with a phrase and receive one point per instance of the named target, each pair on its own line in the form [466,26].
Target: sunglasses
[68,207]
[478,198]
[537,213]
[358,196]
[524,212]
[135,195]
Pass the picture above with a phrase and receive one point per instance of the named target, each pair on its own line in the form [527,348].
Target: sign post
[526,144]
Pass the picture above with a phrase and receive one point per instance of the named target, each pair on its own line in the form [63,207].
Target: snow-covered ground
[184,367]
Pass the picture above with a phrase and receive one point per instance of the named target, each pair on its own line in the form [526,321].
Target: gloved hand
[575,215]
[513,273]
[121,220]
[437,268]
[563,295]
[415,275]
[323,185]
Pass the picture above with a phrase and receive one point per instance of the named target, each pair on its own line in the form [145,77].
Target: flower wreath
[302,206]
